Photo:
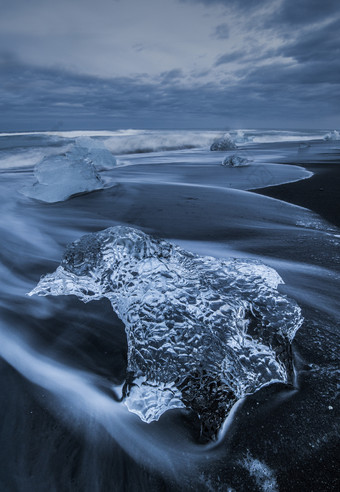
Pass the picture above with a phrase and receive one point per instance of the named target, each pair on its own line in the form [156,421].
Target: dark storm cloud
[35,98]
[171,75]
[240,4]
[293,76]
[287,11]
[320,44]
[305,11]
[316,59]
[245,56]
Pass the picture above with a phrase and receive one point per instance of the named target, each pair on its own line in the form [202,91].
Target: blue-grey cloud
[222,31]
[240,4]
[276,66]
[320,44]
[230,57]
[305,11]
[287,11]
[35,98]
[171,75]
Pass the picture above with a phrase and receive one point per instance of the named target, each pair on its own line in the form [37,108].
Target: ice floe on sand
[202,332]
[235,160]
[61,176]
[223,143]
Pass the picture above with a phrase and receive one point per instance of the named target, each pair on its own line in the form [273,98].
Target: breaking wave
[143,141]
[334,135]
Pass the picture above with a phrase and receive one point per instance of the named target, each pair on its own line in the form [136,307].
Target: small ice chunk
[150,400]
[63,176]
[223,143]
[235,160]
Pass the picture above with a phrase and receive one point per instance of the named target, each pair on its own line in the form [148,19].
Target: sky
[210,64]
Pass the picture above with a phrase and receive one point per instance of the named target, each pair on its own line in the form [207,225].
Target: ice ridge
[202,332]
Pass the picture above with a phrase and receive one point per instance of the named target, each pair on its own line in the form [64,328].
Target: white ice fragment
[223,143]
[150,400]
[235,160]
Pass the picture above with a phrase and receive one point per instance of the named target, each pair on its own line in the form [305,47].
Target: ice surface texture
[223,143]
[235,160]
[95,152]
[62,176]
[202,332]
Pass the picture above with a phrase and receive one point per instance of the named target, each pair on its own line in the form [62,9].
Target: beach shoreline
[319,193]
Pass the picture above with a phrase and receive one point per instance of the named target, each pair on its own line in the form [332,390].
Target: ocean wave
[333,135]
[133,141]
[145,142]
[27,159]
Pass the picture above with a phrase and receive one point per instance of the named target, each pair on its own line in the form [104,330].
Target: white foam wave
[28,159]
[334,135]
[285,136]
[74,133]
[155,141]
[135,141]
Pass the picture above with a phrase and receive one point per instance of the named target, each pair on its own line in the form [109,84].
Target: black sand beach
[320,193]
[281,438]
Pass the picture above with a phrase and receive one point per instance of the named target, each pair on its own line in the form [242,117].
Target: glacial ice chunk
[223,143]
[235,160]
[62,176]
[202,332]
[96,152]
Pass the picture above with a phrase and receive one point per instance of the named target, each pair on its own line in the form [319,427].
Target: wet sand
[320,193]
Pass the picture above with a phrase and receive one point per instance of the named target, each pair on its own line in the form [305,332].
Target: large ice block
[202,332]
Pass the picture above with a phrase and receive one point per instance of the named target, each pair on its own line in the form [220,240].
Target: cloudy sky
[107,64]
